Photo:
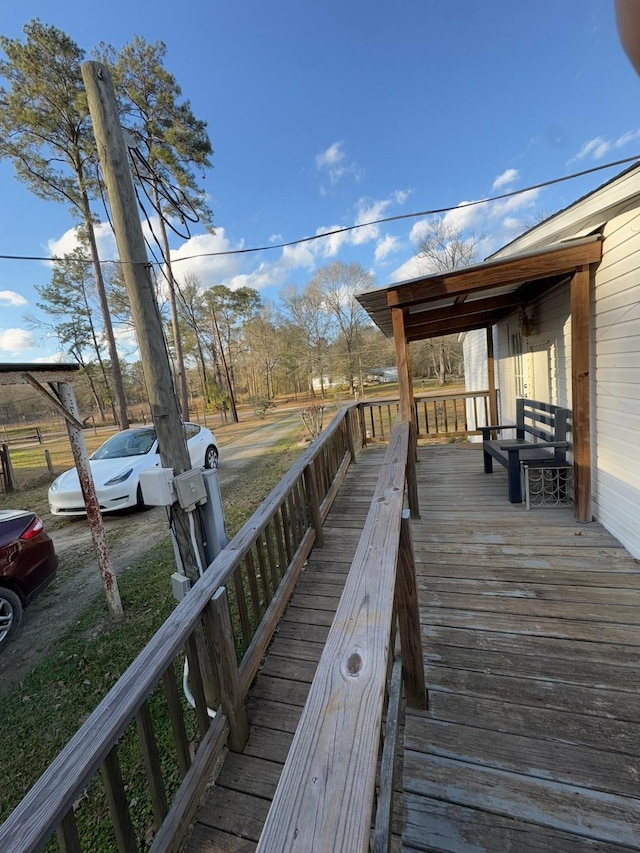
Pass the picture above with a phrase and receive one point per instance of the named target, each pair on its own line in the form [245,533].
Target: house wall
[615,381]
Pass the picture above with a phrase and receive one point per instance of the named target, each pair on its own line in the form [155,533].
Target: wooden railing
[325,797]
[451,415]
[228,616]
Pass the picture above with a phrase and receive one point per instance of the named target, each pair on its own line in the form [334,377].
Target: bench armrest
[530,445]
[487,429]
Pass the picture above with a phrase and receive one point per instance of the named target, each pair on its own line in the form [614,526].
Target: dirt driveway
[129,536]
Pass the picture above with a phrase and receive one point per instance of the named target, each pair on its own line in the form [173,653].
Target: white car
[116,467]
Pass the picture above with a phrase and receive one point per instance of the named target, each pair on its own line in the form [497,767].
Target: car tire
[10,615]
[211,457]
[139,499]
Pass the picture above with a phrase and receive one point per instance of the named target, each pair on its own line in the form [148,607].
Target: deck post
[407,405]
[491,376]
[226,665]
[350,439]
[580,321]
[311,489]
[409,620]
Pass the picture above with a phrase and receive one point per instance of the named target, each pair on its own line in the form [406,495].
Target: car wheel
[10,615]
[211,457]
[139,499]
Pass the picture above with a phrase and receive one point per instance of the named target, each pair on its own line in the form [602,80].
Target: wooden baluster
[67,834]
[226,665]
[174,706]
[269,536]
[153,767]
[284,514]
[313,503]
[118,804]
[253,589]
[243,613]
[197,685]
[262,565]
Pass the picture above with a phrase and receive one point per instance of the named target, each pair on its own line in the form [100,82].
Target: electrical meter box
[190,488]
[157,486]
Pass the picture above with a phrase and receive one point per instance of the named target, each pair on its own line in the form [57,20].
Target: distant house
[533,345]
[382,374]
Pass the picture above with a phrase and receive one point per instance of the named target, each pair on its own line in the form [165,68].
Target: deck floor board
[531,640]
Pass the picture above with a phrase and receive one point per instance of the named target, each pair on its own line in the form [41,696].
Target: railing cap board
[325,795]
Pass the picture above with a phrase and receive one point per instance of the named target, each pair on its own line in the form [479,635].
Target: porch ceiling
[477,296]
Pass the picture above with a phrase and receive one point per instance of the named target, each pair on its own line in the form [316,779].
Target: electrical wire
[335,231]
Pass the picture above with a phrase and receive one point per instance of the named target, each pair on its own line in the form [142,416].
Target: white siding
[615,381]
[474,349]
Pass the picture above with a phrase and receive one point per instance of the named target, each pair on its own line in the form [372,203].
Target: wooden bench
[541,440]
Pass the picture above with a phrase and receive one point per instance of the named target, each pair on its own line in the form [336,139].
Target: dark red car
[28,563]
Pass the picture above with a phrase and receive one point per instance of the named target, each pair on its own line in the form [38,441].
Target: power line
[335,231]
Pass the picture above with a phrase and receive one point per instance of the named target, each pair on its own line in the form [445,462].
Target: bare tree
[445,247]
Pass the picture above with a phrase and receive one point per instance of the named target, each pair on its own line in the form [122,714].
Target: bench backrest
[543,421]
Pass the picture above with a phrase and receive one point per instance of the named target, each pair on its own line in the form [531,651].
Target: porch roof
[477,296]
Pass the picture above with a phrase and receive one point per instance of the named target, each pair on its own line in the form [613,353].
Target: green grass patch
[40,715]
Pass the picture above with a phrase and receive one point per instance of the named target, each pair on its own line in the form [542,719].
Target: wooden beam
[554,262]
[451,328]
[580,363]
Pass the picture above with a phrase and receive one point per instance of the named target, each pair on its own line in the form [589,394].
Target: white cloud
[413,268]
[599,147]
[334,163]
[506,178]
[595,148]
[68,242]
[10,297]
[386,246]
[16,341]
[201,256]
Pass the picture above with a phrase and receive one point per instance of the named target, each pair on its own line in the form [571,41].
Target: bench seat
[546,426]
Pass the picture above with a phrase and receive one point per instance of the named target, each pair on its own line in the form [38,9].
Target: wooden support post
[580,357]
[409,620]
[47,459]
[384,807]
[311,489]
[231,697]
[491,376]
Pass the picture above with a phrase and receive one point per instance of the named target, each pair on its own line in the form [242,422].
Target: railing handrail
[324,800]
[59,786]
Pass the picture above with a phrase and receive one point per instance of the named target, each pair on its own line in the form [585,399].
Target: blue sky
[329,114]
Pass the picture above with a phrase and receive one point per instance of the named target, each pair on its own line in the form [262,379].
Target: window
[515,345]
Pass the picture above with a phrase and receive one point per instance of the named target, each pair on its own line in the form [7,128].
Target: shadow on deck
[530,635]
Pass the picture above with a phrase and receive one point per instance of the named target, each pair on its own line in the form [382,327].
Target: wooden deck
[531,630]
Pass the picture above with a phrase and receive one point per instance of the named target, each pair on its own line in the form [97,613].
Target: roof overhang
[14,374]
[477,296]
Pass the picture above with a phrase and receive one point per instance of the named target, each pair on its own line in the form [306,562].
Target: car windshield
[128,443]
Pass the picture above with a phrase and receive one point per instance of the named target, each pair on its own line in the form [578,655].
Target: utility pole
[114,160]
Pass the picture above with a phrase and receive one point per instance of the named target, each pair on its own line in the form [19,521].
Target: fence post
[363,426]
[226,665]
[47,459]
[7,469]
[409,620]
[311,489]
